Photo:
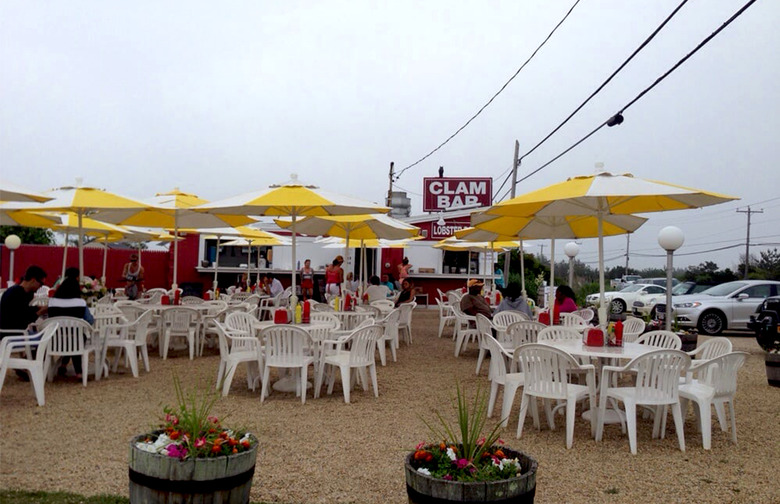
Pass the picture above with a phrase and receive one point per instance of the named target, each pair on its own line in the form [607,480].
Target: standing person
[133,274]
[67,302]
[334,276]
[15,311]
[499,280]
[403,269]
[473,302]
[513,300]
[307,280]
[564,302]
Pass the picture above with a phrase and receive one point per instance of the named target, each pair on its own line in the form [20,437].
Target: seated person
[352,284]
[389,282]
[376,290]
[272,286]
[473,303]
[67,302]
[407,293]
[16,314]
[513,300]
[564,302]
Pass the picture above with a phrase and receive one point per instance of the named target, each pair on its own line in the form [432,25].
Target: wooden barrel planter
[689,340]
[772,362]
[156,478]
[423,489]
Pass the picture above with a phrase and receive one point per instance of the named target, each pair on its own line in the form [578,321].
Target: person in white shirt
[272,286]
[376,290]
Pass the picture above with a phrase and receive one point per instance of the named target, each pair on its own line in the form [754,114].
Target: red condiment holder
[306,314]
[166,299]
[595,337]
[207,296]
[544,318]
[280,316]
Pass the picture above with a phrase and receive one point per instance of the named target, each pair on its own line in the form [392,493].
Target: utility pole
[390,186]
[747,239]
[541,252]
[628,243]
[508,254]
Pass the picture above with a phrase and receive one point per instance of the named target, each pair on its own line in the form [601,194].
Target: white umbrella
[13,192]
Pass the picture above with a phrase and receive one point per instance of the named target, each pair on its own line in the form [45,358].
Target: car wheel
[711,323]
[617,306]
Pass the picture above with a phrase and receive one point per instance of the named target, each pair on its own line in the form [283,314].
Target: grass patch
[27,497]
[612,491]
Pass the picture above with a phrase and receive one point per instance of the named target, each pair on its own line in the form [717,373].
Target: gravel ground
[329,451]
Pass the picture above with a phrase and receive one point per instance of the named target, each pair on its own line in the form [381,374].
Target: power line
[604,84]
[494,96]
[618,117]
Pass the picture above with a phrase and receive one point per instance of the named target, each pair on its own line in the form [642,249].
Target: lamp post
[13,242]
[670,239]
[571,249]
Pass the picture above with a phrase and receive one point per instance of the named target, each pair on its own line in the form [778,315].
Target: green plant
[189,430]
[464,453]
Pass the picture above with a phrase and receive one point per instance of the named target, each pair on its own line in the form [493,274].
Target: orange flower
[216,448]
[421,455]
[245,443]
[235,450]
[442,446]
[499,453]
[232,441]
[174,435]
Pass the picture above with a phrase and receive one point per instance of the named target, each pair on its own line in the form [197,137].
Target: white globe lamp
[670,239]
[571,249]
[13,242]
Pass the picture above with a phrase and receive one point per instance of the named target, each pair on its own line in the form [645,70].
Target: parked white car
[620,300]
[725,306]
[645,304]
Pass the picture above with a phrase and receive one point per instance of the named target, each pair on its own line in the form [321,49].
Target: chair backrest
[505,318]
[550,333]
[572,320]
[713,347]
[154,297]
[215,306]
[406,313]
[383,303]
[224,347]
[721,372]
[105,300]
[191,300]
[661,339]
[546,370]
[130,309]
[140,326]
[71,335]
[363,344]
[460,315]
[375,312]
[240,322]
[522,332]
[658,375]
[179,318]
[285,344]
[484,325]
[321,307]
[326,318]
[632,328]
[497,364]
[42,342]
[454,295]
[239,297]
[587,314]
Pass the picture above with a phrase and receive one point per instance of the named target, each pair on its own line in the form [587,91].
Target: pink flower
[420,445]
[176,451]
[500,441]
[447,477]
[213,419]
[200,442]
[481,441]
[462,463]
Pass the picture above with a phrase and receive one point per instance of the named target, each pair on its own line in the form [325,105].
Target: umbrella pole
[257,280]
[175,255]
[65,254]
[81,246]
[294,297]
[105,260]
[522,272]
[362,267]
[346,261]
[552,279]
[248,266]
[216,269]
[602,306]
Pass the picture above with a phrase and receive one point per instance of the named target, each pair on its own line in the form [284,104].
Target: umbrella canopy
[171,210]
[474,234]
[293,199]
[12,216]
[13,192]
[85,201]
[603,194]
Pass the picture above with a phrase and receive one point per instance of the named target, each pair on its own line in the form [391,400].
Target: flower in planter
[189,430]
[464,452]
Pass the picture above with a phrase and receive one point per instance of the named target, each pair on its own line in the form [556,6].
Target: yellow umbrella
[85,201]
[358,227]
[600,195]
[172,210]
[13,192]
[12,216]
[293,199]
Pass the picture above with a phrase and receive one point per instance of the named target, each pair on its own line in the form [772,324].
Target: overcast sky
[220,98]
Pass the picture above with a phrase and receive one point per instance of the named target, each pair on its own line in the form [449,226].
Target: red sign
[437,232]
[450,193]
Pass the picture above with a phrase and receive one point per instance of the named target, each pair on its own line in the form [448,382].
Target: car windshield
[681,289]
[723,289]
[632,288]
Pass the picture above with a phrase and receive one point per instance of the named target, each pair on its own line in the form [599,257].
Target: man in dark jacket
[473,302]
[15,310]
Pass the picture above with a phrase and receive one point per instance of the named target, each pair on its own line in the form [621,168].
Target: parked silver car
[624,298]
[725,306]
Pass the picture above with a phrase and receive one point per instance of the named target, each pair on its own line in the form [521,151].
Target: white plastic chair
[73,337]
[405,322]
[502,320]
[242,323]
[286,347]
[360,356]
[657,385]
[661,339]
[546,374]
[484,327]
[236,347]
[499,377]
[632,328]
[446,315]
[552,333]
[712,348]
[384,305]
[36,367]
[267,306]
[181,322]
[572,320]
[130,337]
[463,329]
[520,333]
[191,300]
[390,335]
[717,388]
[587,314]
